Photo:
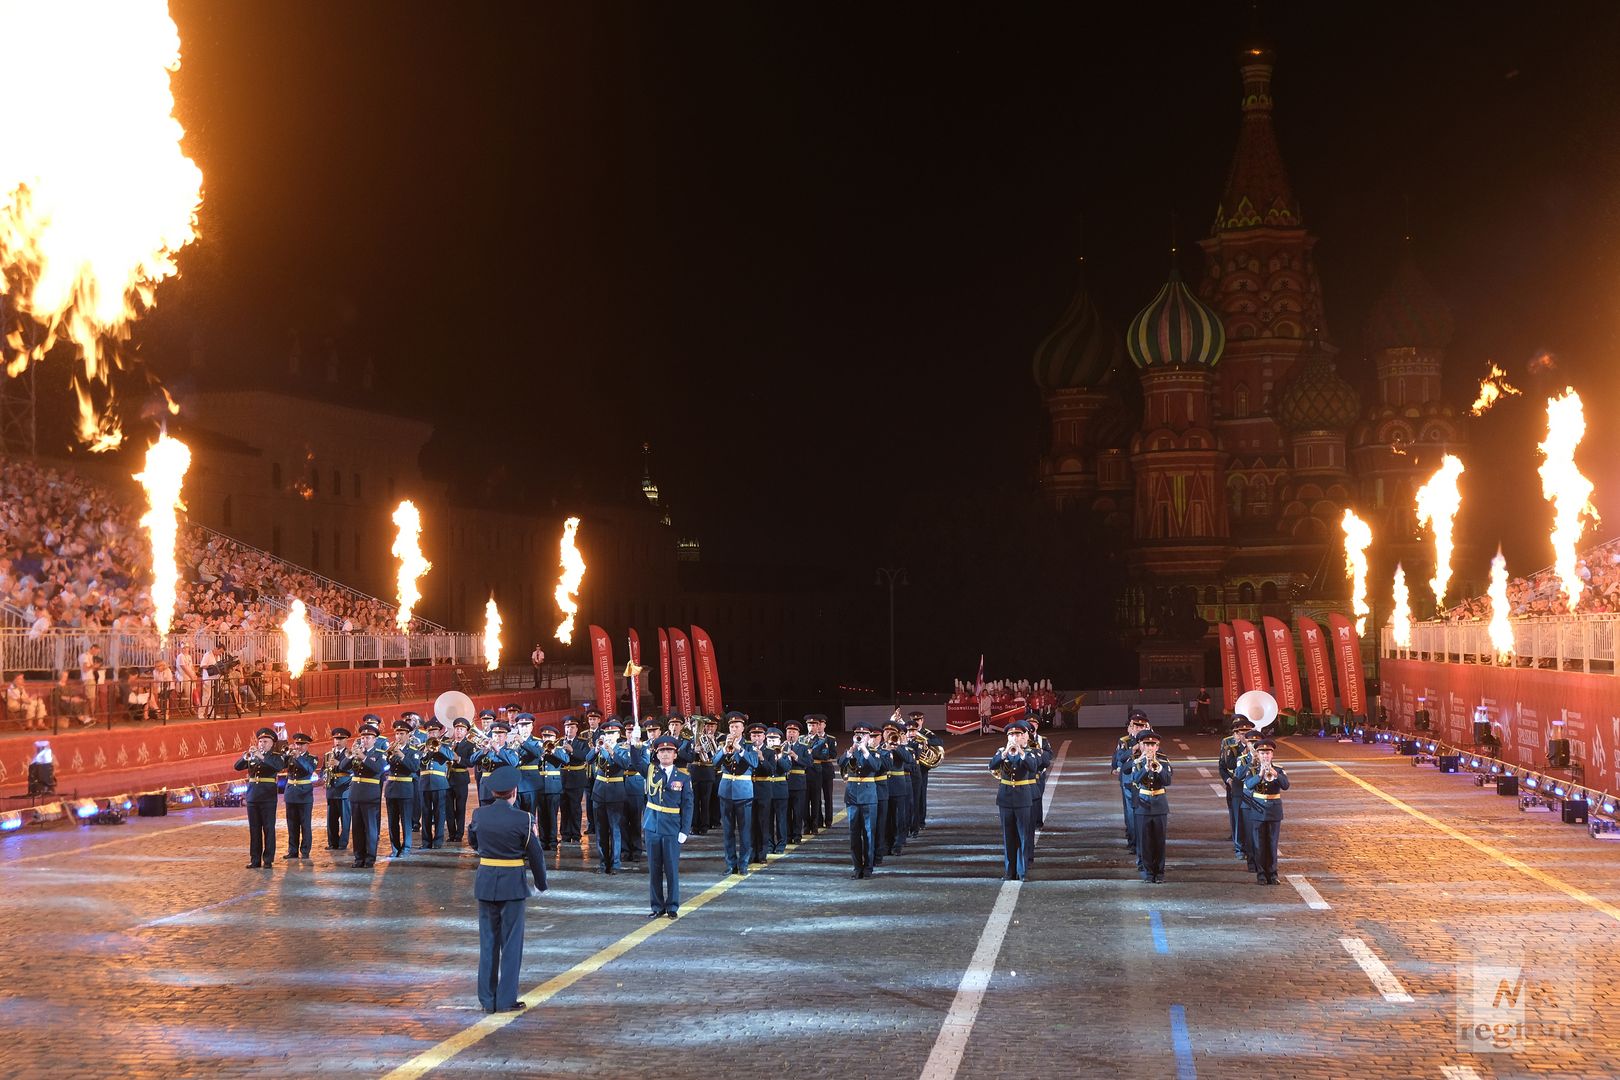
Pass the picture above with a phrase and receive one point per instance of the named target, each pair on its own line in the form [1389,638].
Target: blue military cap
[302,739]
[653,722]
[570,719]
[487,714]
[815,718]
[1017,725]
[666,742]
[402,724]
[774,731]
[512,706]
[504,778]
[893,725]
[500,725]
[368,729]
[265,733]
[371,718]
[793,725]
[461,721]
[733,714]
[549,729]
[756,727]
[525,718]
[1265,744]
[591,710]
[861,728]
[1138,714]
[340,733]
[612,725]
[410,714]
[433,724]
[1149,737]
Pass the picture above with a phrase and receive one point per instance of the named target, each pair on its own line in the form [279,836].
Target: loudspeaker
[1558,753]
[1420,720]
[1407,746]
[1507,785]
[1575,811]
[1450,762]
[1482,732]
[152,805]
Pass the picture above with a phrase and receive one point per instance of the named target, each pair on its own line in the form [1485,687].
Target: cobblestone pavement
[147,950]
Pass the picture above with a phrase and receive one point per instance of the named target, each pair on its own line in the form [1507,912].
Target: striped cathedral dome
[1176,330]
[1081,350]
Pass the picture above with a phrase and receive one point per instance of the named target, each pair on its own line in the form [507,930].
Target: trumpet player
[1150,778]
[494,755]
[824,757]
[367,766]
[262,764]
[610,761]
[554,758]
[529,755]
[860,766]
[1017,769]
[1247,764]
[1265,786]
[1124,755]
[575,779]
[399,790]
[763,813]
[302,768]
[434,782]
[455,802]
[901,761]
[1232,748]
[736,764]
[336,781]
[798,756]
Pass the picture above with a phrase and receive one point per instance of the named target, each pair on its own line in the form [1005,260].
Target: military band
[261,765]
[736,764]
[302,771]
[336,782]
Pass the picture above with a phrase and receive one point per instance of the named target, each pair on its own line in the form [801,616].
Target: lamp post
[891,576]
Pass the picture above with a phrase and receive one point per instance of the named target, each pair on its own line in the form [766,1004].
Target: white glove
[681,838]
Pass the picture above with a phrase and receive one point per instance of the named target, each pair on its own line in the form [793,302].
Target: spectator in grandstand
[68,701]
[21,705]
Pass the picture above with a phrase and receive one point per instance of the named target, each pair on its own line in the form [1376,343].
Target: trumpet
[432,745]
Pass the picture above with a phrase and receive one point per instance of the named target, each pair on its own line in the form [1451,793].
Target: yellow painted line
[105,844]
[480,1030]
[1550,880]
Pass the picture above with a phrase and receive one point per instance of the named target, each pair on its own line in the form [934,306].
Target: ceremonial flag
[1229,666]
[602,668]
[663,670]
[682,651]
[1347,654]
[632,671]
[978,684]
[1251,656]
[1318,668]
[635,648]
[1284,665]
[708,670]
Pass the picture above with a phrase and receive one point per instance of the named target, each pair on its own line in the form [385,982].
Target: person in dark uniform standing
[575,778]
[400,788]
[901,762]
[764,770]
[434,780]
[797,783]
[302,768]
[493,756]
[1017,769]
[1038,743]
[460,770]
[919,820]
[701,752]
[416,740]
[367,766]
[337,792]
[609,764]
[860,766]
[782,764]
[506,844]
[666,821]
[824,756]
[736,764]
[262,765]
[1245,766]
[1265,786]
[1231,749]
[880,819]
[1150,777]
[1124,755]
[529,755]
[635,786]
[553,762]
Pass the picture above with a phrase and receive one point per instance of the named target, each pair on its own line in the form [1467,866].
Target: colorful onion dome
[1176,330]
[1409,314]
[1081,349]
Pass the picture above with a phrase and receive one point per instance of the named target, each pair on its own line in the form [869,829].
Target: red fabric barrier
[961,717]
[98,762]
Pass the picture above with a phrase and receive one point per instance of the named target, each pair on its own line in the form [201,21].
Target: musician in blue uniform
[860,767]
[504,838]
[417,741]
[529,755]
[797,780]
[683,751]
[1231,749]
[610,761]
[337,792]
[552,763]
[576,779]
[262,765]
[302,768]
[1124,754]
[666,820]
[1017,770]
[399,790]
[1150,776]
[761,815]
[1265,786]
[1246,804]
[367,766]
[781,761]
[495,754]
[736,764]
[824,757]
[434,781]
[1037,807]
[460,770]
[635,789]
[901,762]
[880,819]
[919,779]
[705,780]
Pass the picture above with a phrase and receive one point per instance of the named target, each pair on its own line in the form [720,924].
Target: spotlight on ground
[11,824]
[85,809]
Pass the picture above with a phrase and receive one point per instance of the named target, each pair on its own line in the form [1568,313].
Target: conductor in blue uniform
[665,823]
[505,840]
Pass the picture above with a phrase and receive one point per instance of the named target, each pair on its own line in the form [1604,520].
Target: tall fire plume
[573,573]
[1563,485]
[412,566]
[96,194]
[1437,504]
[1357,539]
[165,473]
[492,635]
[1501,630]
[1401,621]
[297,633]
[1492,388]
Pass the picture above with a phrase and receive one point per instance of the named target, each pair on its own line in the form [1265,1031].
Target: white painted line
[1205,773]
[1383,979]
[1307,892]
[946,1057]
[1219,789]
[1182,746]
[1459,1072]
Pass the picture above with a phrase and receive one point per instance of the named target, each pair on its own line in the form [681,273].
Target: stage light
[86,808]
[1559,791]
[127,805]
[1474,763]
[187,798]
[1431,748]
[239,789]
[1608,806]
[1530,782]
[10,824]
[1495,769]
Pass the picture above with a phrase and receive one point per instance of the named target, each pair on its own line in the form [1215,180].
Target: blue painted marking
[1183,1044]
[1160,942]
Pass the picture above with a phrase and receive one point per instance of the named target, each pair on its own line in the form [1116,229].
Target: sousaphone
[1259,706]
[453,705]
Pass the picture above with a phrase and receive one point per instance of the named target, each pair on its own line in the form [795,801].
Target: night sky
[806,250]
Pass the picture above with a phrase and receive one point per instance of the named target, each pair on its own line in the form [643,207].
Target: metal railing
[1583,643]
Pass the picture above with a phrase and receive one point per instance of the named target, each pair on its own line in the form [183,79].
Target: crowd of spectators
[1541,594]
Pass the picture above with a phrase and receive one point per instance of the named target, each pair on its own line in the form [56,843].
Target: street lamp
[891,576]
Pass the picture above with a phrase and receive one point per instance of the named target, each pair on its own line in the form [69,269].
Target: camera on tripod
[222,667]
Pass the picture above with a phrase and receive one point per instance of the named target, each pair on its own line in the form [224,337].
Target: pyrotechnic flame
[1437,505]
[1401,621]
[1501,630]
[296,629]
[166,463]
[1357,539]
[408,550]
[492,635]
[1492,388]
[1563,485]
[96,195]
[573,572]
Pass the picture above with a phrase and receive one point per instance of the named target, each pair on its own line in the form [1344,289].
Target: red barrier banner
[1251,656]
[1347,657]
[663,671]
[607,699]
[1318,668]
[1280,643]
[708,670]
[961,717]
[1229,666]
[682,650]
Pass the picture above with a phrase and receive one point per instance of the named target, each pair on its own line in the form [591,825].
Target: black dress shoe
[1260,879]
[1158,879]
[655,914]
[857,875]
[671,914]
[252,866]
[516,1006]
[358,864]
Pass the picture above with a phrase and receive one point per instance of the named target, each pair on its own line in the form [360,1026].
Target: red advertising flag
[708,670]
[663,670]
[635,648]
[1251,656]
[1318,668]
[682,650]
[1347,655]
[1229,666]
[1280,643]
[602,667]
